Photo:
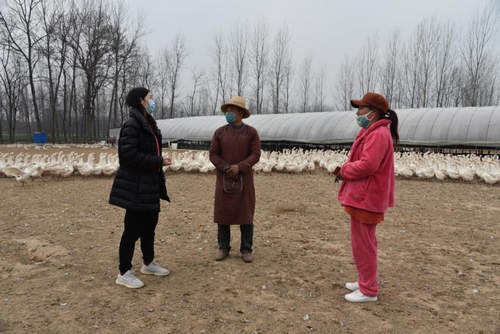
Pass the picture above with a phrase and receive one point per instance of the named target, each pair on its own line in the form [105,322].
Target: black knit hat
[134,96]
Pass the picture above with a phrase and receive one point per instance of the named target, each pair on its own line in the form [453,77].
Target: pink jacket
[369,172]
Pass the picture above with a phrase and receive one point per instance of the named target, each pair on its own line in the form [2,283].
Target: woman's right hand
[167,161]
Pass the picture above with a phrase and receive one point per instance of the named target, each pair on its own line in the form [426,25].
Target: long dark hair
[393,117]
[134,100]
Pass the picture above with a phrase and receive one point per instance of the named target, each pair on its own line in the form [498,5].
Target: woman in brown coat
[234,150]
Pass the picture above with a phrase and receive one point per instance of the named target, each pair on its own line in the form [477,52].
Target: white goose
[207,168]
[466,172]
[20,175]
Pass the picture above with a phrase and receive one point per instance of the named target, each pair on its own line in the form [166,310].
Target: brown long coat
[240,148]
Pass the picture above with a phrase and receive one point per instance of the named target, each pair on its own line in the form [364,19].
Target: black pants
[224,238]
[138,225]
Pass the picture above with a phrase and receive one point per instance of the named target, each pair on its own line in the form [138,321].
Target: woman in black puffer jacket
[138,186]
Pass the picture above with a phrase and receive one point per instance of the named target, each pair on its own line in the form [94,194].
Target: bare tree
[280,59]
[20,33]
[444,61]
[23,108]
[178,55]
[125,44]
[477,51]
[144,73]
[2,108]
[305,84]
[238,38]
[344,88]
[259,51]
[163,66]
[428,34]
[191,108]
[54,50]
[91,40]
[390,71]
[72,74]
[456,88]
[411,67]
[367,66]
[288,74]
[11,76]
[488,94]
[125,82]
[204,98]
[218,71]
[319,91]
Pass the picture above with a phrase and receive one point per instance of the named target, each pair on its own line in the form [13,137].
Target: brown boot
[221,255]
[247,257]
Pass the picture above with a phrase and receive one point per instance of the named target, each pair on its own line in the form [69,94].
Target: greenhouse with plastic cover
[448,130]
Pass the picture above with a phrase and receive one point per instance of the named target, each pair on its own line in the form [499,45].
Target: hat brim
[359,103]
[245,115]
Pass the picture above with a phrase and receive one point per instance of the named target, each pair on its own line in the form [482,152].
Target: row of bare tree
[67,65]
[440,65]
[57,59]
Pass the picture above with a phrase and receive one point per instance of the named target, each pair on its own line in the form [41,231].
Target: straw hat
[239,102]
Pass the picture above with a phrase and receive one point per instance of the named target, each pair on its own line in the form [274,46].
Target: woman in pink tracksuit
[368,188]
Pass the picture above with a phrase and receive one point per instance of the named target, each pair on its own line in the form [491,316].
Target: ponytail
[393,117]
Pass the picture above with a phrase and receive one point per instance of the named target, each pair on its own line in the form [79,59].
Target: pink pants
[364,251]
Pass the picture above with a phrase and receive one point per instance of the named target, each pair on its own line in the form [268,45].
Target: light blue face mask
[152,106]
[230,118]
[364,121]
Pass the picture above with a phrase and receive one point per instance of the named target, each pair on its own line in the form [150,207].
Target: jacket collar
[364,133]
[139,117]
[377,124]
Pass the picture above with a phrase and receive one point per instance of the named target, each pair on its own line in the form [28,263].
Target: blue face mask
[364,121]
[151,108]
[230,117]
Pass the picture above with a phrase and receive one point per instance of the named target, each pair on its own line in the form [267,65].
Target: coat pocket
[356,190]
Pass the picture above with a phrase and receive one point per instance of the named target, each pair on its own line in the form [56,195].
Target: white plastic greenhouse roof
[472,126]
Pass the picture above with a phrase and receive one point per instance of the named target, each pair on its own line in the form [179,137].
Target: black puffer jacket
[139,183]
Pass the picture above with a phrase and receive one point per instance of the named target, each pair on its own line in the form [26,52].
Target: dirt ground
[439,261]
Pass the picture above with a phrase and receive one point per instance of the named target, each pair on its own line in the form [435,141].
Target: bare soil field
[439,261]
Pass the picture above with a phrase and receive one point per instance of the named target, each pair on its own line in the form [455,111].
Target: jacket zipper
[157,145]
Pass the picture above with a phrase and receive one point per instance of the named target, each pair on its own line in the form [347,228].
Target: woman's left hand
[338,174]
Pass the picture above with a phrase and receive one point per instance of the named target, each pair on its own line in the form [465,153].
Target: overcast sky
[328,29]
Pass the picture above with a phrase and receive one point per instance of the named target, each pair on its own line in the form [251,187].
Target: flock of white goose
[45,147]
[444,166]
[24,166]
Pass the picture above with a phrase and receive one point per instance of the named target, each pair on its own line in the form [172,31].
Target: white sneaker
[358,297]
[129,280]
[352,286]
[154,269]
